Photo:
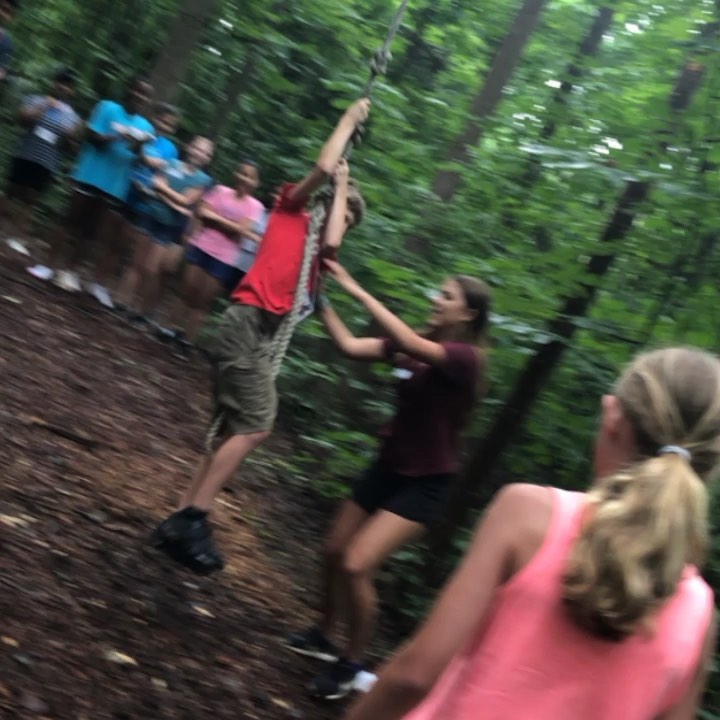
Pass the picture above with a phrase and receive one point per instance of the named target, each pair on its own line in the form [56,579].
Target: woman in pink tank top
[583,606]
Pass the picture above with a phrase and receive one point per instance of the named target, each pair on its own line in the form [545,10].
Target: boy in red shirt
[245,399]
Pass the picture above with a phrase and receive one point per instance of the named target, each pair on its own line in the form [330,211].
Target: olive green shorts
[244,394]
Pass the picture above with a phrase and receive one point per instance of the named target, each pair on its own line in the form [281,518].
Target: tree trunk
[240,80]
[574,71]
[174,61]
[488,98]
[476,477]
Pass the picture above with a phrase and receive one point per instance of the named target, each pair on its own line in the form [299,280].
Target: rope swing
[318,213]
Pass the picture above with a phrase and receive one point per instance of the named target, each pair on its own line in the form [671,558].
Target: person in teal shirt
[114,137]
[178,188]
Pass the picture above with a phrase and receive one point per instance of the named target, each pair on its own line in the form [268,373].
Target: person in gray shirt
[49,122]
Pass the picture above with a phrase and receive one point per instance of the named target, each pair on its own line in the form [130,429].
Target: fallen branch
[68,433]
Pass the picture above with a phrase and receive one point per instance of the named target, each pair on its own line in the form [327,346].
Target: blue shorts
[227,275]
[162,234]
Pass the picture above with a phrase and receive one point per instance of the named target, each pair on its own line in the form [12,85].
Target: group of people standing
[566,605]
[136,197]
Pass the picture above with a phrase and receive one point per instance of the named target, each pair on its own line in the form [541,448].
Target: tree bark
[240,80]
[174,60]
[477,475]
[489,96]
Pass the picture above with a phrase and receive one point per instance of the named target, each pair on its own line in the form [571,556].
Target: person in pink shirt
[226,215]
[583,606]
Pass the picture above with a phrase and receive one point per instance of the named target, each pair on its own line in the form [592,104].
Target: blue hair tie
[675,450]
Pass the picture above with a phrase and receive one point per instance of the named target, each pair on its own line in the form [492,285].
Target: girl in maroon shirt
[441,376]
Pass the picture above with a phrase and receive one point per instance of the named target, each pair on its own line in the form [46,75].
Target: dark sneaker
[183,349]
[337,681]
[186,536]
[165,334]
[138,321]
[313,643]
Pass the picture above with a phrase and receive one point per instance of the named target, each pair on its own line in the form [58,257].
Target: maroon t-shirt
[434,405]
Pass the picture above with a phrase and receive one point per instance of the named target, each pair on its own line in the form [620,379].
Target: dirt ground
[99,429]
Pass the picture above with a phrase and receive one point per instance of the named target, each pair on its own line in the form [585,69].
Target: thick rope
[378,67]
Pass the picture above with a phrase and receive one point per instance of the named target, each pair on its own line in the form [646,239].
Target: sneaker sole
[172,550]
[317,654]
[339,695]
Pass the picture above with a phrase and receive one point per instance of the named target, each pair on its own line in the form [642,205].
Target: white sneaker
[101,295]
[364,681]
[68,281]
[17,246]
[41,272]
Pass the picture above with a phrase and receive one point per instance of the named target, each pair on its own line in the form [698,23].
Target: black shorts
[227,275]
[29,174]
[420,499]
[90,191]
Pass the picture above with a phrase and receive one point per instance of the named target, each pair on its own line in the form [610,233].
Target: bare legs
[356,547]
[214,472]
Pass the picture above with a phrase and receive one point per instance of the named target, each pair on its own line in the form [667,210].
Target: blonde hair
[645,523]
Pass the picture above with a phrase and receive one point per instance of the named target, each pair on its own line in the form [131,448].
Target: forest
[567,152]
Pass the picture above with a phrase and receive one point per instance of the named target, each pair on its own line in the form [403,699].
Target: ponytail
[642,527]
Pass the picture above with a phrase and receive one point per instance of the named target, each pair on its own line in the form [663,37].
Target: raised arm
[349,345]
[332,151]
[337,219]
[404,338]
[460,611]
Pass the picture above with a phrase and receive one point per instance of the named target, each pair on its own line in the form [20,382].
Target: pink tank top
[529,660]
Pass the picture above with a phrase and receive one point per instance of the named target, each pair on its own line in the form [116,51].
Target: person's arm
[332,151]
[404,338]
[208,216]
[154,162]
[31,112]
[687,706]
[186,199]
[460,611]
[336,225]
[366,348]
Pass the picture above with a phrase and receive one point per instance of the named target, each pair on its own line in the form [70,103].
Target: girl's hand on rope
[359,111]
[342,277]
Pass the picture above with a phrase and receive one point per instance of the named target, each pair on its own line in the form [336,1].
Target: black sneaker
[313,643]
[183,349]
[186,536]
[337,681]
[138,321]
[165,334]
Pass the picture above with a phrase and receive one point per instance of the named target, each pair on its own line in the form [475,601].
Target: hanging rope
[318,213]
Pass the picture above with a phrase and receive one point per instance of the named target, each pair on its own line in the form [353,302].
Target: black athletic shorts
[29,174]
[420,499]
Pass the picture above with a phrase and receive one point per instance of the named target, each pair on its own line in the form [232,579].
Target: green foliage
[527,217]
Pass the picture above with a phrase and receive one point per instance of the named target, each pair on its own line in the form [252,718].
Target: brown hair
[355,201]
[645,523]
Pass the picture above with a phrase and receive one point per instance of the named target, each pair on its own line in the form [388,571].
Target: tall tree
[174,60]
[489,95]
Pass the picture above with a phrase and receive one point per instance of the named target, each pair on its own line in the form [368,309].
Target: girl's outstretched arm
[353,347]
[403,337]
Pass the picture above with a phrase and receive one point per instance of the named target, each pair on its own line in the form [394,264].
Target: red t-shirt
[433,407]
[271,282]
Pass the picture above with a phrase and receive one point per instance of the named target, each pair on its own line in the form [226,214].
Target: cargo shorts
[244,395]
